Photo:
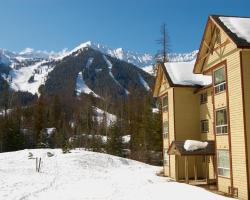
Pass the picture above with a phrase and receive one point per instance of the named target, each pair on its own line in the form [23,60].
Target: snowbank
[192,145]
[88,175]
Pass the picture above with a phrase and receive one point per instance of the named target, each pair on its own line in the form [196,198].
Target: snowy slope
[87,175]
[81,86]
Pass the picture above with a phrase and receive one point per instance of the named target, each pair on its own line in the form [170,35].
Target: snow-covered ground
[82,175]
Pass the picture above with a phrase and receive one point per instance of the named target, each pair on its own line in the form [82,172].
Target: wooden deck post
[186,170]
[195,169]
[206,168]
[177,168]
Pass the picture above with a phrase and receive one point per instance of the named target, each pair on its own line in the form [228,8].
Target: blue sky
[131,24]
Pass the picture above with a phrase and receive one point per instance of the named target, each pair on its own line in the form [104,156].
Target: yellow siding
[187,114]
[171,130]
[221,53]
[171,114]
[223,184]
[237,125]
[173,167]
[222,142]
[231,54]
[246,78]
[206,113]
[220,100]
[166,170]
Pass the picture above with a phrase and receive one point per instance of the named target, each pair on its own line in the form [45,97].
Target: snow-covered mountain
[29,69]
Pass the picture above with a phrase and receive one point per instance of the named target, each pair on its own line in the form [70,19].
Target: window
[166,157]
[223,163]
[203,98]
[221,121]
[165,129]
[165,104]
[219,80]
[204,126]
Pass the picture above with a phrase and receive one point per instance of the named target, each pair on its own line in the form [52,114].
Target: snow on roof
[239,26]
[181,73]
[192,145]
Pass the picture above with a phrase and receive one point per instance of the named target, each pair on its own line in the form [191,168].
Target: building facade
[210,102]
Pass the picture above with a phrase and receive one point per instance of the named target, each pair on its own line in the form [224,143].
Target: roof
[237,28]
[177,148]
[181,73]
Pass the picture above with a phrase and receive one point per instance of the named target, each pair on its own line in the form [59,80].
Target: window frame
[220,86]
[166,157]
[223,168]
[222,127]
[202,99]
[165,131]
[164,107]
[201,126]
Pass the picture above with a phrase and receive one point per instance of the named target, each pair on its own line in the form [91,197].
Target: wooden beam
[177,168]
[186,170]
[195,169]
[206,168]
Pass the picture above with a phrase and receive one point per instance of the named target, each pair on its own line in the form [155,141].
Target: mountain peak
[26,51]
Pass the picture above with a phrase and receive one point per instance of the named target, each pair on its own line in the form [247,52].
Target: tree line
[63,122]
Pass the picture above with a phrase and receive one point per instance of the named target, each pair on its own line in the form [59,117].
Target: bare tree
[162,55]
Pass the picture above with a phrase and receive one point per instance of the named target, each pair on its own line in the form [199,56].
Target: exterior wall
[221,53]
[165,89]
[206,113]
[187,122]
[246,88]
[237,125]
[187,114]
[220,100]
[171,110]
[233,101]
[223,184]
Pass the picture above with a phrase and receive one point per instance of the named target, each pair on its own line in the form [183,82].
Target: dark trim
[162,137]
[219,176]
[168,139]
[244,118]
[201,44]
[228,117]
[220,64]
[203,88]
[215,139]
[229,128]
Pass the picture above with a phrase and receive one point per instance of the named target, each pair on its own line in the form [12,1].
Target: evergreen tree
[114,142]
[39,120]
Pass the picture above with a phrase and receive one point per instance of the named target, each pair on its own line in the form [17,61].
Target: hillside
[87,175]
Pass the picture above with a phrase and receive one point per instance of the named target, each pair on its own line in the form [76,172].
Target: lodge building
[209,100]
